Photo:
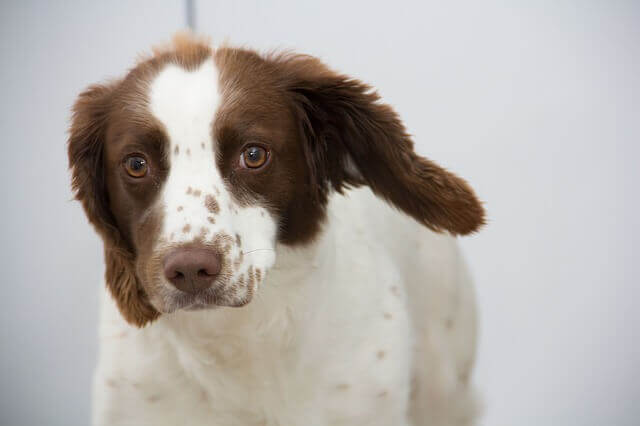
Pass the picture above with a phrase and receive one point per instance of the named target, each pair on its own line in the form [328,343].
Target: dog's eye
[253,157]
[136,166]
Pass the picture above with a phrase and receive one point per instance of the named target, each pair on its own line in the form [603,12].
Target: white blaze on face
[194,199]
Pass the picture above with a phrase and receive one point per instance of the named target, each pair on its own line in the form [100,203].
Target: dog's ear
[353,139]
[86,149]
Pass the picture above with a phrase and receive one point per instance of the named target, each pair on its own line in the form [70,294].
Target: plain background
[536,104]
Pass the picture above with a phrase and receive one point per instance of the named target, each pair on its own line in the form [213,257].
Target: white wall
[50,260]
[537,105]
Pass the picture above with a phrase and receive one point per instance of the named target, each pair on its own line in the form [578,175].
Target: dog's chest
[328,345]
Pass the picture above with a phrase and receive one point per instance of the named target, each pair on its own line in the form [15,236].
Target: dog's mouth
[206,299]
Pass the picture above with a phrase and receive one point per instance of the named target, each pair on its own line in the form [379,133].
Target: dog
[276,253]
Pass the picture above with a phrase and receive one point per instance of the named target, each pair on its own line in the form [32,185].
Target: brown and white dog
[256,275]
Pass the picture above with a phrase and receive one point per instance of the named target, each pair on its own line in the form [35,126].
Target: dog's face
[199,161]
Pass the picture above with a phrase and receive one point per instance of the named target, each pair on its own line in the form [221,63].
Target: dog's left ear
[353,139]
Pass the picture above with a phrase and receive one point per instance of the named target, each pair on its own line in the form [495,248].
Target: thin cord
[191,14]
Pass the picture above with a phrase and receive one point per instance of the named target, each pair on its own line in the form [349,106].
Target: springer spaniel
[270,249]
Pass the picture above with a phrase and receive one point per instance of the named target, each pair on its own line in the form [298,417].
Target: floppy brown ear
[345,126]
[85,149]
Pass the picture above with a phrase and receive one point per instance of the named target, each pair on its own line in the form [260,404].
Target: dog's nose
[191,269]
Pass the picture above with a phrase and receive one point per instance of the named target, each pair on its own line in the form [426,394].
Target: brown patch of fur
[197,193]
[176,150]
[211,219]
[329,120]
[180,208]
[88,161]
[186,228]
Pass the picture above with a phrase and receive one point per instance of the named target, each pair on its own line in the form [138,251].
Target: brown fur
[86,139]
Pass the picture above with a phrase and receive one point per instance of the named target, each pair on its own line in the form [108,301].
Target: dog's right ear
[86,151]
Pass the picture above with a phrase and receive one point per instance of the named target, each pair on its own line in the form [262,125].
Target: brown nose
[191,269]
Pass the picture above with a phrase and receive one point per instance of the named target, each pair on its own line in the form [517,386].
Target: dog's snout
[191,269]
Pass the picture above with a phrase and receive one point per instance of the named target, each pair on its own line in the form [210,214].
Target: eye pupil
[254,157]
[136,166]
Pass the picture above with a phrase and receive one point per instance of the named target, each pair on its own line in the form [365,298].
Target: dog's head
[198,161]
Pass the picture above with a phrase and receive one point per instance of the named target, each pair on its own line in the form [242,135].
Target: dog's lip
[199,306]
[207,300]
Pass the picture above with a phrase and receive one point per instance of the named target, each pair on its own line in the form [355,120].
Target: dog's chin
[207,299]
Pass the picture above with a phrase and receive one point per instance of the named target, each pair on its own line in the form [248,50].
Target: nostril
[202,273]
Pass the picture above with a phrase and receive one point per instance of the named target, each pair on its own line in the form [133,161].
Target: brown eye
[136,166]
[253,157]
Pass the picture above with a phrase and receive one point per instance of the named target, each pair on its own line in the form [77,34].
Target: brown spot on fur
[211,219]
[197,193]
[180,208]
[251,277]
[258,274]
[189,190]
[188,151]
[202,145]
[186,228]
[343,386]
[381,354]
[238,240]
[387,315]
[176,150]
[383,394]
[211,204]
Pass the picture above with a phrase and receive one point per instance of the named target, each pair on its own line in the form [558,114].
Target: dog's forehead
[185,101]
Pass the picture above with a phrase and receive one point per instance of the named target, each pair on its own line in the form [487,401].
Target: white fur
[336,335]
[186,102]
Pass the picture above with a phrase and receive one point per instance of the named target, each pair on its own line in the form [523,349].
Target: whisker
[251,251]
